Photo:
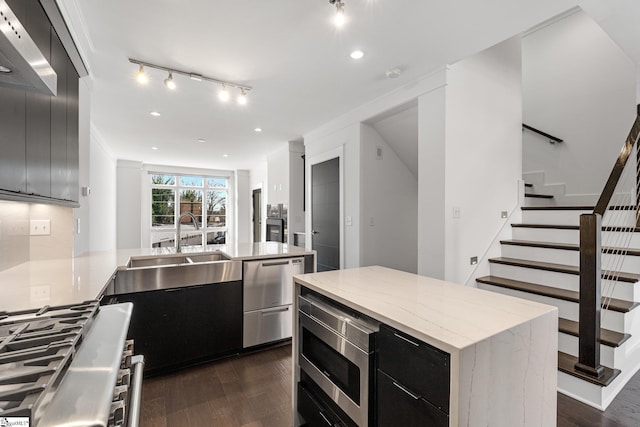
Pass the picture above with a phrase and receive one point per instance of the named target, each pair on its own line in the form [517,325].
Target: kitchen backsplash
[17,245]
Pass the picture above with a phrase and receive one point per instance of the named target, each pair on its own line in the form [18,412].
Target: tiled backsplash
[16,243]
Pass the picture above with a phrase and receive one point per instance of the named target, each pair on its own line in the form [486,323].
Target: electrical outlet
[348,221]
[456,212]
[39,293]
[504,214]
[473,260]
[372,221]
[40,227]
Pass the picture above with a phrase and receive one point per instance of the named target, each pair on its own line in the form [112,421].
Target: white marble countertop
[61,281]
[446,315]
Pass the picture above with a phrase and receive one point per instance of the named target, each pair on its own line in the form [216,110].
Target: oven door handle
[135,392]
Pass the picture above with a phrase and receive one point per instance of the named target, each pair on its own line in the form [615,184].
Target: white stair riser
[580,389]
[629,263]
[622,290]
[572,217]
[537,201]
[555,235]
[566,309]
[608,355]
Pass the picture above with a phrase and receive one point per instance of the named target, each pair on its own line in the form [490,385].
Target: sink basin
[157,261]
[205,258]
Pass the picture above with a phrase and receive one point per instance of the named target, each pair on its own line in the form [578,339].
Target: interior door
[325,213]
[257,214]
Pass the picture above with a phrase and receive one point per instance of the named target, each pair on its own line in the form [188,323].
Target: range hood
[22,65]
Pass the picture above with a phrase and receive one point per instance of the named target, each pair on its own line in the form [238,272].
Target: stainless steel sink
[205,257]
[176,275]
[157,261]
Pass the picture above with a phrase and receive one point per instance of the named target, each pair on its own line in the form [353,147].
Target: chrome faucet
[195,222]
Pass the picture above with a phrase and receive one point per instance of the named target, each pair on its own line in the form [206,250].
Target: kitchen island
[499,353]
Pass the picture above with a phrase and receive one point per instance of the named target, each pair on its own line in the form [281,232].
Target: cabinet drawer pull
[407,340]
[416,397]
[269,264]
[275,311]
[325,419]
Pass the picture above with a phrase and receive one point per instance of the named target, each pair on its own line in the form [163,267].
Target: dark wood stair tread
[539,196]
[618,305]
[568,246]
[575,208]
[559,268]
[526,184]
[607,337]
[567,362]
[574,227]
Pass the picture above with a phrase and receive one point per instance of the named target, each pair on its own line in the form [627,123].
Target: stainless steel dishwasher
[268,287]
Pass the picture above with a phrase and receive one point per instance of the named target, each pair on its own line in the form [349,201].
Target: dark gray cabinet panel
[59,173]
[73,121]
[39,133]
[12,140]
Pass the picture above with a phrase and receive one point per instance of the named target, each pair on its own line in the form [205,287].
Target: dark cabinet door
[12,140]
[59,174]
[182,326]
[397,406]
[73,122]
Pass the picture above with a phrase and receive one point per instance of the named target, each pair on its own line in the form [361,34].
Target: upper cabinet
[39,138]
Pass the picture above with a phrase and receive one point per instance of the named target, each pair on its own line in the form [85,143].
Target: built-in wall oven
[336,351]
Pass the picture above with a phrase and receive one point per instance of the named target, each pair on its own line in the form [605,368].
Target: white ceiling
[288,50]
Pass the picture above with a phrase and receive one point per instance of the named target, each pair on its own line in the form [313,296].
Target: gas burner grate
[36,348]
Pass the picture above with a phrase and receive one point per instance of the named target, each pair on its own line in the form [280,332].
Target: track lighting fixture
[168,82]
[141,76]
[339,19]
[223,94]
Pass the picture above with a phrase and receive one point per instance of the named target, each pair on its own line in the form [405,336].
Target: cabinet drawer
[398,406]
[269,324]
[315,414]
[419,367]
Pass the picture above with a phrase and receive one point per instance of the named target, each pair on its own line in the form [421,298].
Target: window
[205,197]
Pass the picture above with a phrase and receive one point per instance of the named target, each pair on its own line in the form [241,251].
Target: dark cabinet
[12,140]
[178,327]
[39,138]
[413,381]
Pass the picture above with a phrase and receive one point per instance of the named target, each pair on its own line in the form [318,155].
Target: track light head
[339,18]
[169,83]
[141,76]
[242,98]
[223,95]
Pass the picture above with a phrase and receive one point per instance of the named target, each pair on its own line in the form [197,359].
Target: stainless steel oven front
[336,350]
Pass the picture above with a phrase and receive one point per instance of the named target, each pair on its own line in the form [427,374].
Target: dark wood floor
[254,390]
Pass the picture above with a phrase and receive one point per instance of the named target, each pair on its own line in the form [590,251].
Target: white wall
[431,178]
[577,85]
[389,206]
[102,221]
[129,205]
[278,176]
[483,149]
[81,215]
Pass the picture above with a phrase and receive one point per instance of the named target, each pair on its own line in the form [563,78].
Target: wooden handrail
[552,139]
[618,167]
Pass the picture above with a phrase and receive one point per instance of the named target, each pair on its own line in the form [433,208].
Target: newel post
[590,296]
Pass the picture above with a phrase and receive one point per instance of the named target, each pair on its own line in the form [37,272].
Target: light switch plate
[456,212]
[348,221]
[40,227]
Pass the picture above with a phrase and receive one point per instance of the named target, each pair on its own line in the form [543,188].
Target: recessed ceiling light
[357,54]
[393,73]
[201,140]
[225,155]
[258,129]
[155,114]
[154,148]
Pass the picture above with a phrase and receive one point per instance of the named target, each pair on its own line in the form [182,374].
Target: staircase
[541,263]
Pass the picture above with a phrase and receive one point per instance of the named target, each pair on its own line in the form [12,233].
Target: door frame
[320,158]
[254,216]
